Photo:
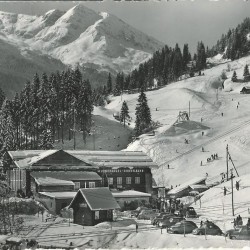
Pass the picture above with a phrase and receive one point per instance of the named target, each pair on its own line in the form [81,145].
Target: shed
[245,90]
[184,189]
[93,205]
[55,201]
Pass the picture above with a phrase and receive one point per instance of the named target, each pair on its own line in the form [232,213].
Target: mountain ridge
[95,42]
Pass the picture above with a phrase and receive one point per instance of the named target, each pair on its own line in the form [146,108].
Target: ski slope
[207,101]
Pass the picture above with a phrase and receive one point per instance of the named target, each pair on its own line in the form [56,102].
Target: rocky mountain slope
[97,42]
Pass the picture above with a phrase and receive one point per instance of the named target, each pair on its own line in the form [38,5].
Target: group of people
[172,205]
[238,221]
[213,157]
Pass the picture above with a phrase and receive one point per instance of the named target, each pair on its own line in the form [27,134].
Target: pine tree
[143,115]
[2,97]
[45,140]
[109,84]
[234,77]
[124,113]
[246,73]
[186,56]
[201,56]
[177,62]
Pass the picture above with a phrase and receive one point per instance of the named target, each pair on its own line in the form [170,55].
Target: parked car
[208,228]
[157,217]
[182,226]
[190,212]
[164,217]
[169,221]
[147,214]
[239,233]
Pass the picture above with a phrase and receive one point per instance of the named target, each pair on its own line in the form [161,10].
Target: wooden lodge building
[121,170]
[93,205]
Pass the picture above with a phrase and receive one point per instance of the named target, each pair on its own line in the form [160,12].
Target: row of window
[122,170]
[78,186]
[119,180]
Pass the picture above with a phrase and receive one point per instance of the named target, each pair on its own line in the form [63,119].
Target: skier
[240,222]
[168,166]
[201,163]
[202,149]
[225,191]
[237,185]
[248,224]
[136,227]
[221,114]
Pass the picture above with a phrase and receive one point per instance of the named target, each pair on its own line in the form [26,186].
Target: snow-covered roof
[48,181]
[68,175]
[113,159]
[198,186]
[29,160]
[129,194]
[59,195]
[186,185]
[97,198]
[246,87]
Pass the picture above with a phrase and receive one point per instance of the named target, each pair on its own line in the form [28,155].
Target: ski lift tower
[183,116]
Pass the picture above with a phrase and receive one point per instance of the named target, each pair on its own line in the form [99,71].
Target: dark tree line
[46,110]
[166,66]
[235,42]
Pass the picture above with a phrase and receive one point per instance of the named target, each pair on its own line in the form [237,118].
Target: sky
[171,22]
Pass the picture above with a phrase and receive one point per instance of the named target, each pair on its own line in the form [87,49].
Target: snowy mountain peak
[98,42]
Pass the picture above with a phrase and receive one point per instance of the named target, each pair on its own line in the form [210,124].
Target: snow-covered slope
[207,101]
[97,42]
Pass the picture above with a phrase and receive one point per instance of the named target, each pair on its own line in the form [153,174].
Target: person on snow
[202,149]
[237,185]
[225,191]
[248,224]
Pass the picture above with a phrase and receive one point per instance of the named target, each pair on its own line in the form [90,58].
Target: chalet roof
[112,159]
[246,87]
[59,195]
[97,198]
[26,160]
[68,175]
[185,185]
[129,194]
[48,181]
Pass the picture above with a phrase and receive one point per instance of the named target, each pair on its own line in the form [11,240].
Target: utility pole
[232,186]
[189,109]
[227,161]
[74,128]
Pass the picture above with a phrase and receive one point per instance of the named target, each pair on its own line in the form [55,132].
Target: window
[128,180]
[97,215]
[77,185]
[91,185]
[110,180]
[137,180]
[119,180]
